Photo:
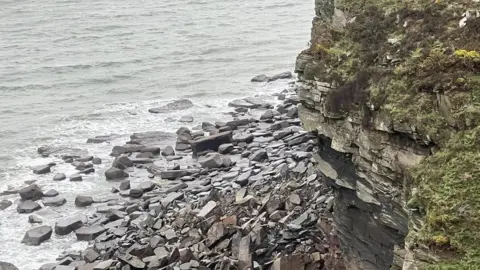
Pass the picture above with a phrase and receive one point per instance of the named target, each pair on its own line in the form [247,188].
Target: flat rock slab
[211,142]
[4,204]
[36,236]
[181,104]
[207,209]
[51,193]
[171,197]
[115,173]
[32,192]
[89,233]
[66,226]
[28,207]
[173,174]
[54,201]
[43,169]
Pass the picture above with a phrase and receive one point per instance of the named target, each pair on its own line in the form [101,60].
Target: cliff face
[393,89]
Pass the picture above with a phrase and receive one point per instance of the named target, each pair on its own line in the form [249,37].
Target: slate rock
[97,161]
[83,201]
[181,104]
[76,178]
[283,75]
[243,178]
[225,148]
[173,174]
[89,233]
[212,160]
[211,142]
[243,137]
[32,219]
[54,201]
[146,186]
[68,225]
[293,112]
[32,192]
[4,204]
[207,209]
[135,193]
[115,173]
[36,236]
[168,151]
[122,162]
[28,207]
[43,169]
[260,78]
[51,193]
[151,149]
[124,185]
[7,266]
[59,177]
[267,115]
[259,155]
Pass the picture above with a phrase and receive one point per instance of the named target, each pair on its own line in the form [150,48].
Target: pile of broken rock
[250,199]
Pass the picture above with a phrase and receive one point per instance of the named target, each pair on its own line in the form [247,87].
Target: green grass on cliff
[424,71]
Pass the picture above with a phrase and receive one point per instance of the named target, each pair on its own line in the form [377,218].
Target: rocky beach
[238,193]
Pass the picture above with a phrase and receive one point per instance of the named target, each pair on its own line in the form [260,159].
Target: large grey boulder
[260,78]
[283,75]
[211,142]
[68,225]
[7,266]
[36,236]
[83,201]
[115,173]
[181,104]
[259,155]
[43,169]
[168,151]
[32,192]
[54,201]
[59,177]
[28,207]
[122,162]
[89,233]
[211,161]
[4,204]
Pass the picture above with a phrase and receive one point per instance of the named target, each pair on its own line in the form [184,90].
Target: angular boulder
[54,201]
[211,142]
[32,192]
[115,173]
[89,233]
[28,207]
[36,236]
[43,169]
[68,225]
[181,104]
[59,177]
[211,161]
[83,201]
[7,266]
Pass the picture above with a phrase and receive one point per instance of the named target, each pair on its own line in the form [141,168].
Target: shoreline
[252,198]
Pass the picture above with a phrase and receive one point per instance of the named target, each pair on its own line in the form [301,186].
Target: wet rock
[124,185]
[283,75]
[259,155]
[211,142]
[279,125]
[168,151]
[90,255]
[267,115]
[59,177]
[186,119]
[238,122]
[133,261]
[83,201]
[115,173]
[84,159]
[122,162]
[32,192]
[260,78]
[142,160]
[241,103]
[76,178]
[243,178]
[51,193]
[54,201]
[181,104]
[104,265]
[43,169]
[182,147]
[145,155]
[146,186]
[136,193]
[4,204]
[7,266]
[212,160]
[207,209]
[243,137]
[97,161]
[68,225]
[173,174]
[36,236]
[225,148]
[293,112]
[89,233]
[151,149]
[32,219]
[28,207]
[171,197]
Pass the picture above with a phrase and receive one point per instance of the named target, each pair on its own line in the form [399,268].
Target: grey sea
[70,70]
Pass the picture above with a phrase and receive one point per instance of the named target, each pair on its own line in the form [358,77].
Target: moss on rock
[422,59]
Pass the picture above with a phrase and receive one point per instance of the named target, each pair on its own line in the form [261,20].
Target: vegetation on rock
[421,59]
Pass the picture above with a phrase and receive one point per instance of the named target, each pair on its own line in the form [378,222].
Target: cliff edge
[392,88]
